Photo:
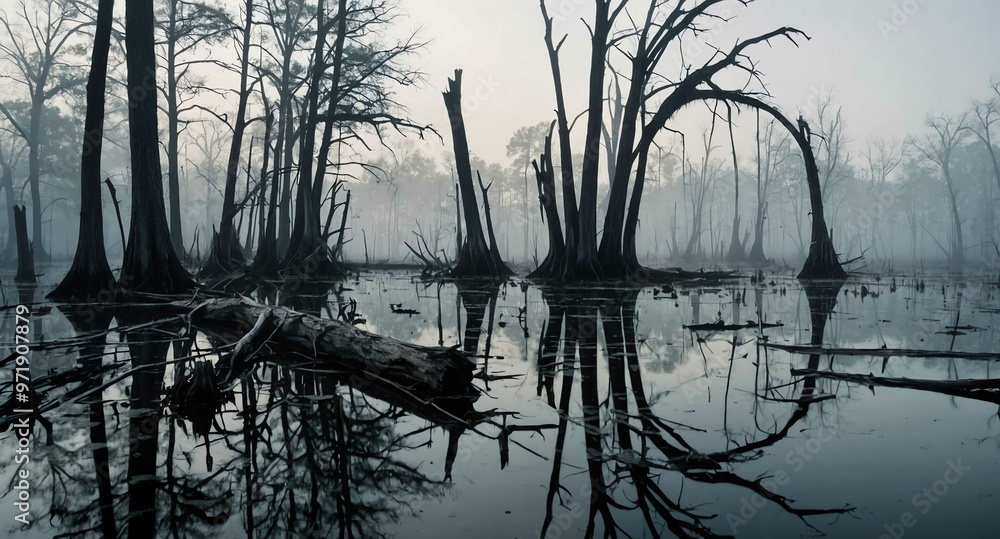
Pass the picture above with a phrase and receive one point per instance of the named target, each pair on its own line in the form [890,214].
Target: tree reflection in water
[285,446]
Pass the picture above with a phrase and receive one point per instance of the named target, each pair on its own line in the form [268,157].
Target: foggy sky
[887,73]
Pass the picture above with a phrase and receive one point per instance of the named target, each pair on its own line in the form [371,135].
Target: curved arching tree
[822,262]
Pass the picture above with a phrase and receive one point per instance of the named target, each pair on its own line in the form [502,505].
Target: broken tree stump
[25,250]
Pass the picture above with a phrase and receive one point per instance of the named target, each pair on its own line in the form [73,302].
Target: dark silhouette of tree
[90,273]
[183,28]
[226,254]
[287,24]
[477,258]
[25,248]
[150,263]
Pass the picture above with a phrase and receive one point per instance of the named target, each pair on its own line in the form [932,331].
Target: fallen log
[806,349]
[982,390]
[433,377]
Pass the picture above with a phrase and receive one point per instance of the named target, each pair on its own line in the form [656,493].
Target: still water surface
[599,413]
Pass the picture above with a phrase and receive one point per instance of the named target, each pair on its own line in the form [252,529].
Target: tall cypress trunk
[612,254]
[25,251]
[150,263]
[545,177]
[285,204]
[586,256]
[90,274]
[226,254]
[34,168]
[264,215]
[630,258]
[756,255]
[571,211]
[736,251]
[303,217]
[7,185]
[173,134]
[475,258]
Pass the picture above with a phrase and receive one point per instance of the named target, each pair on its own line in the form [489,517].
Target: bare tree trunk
[338,252]
[736,251]
[571,215]
[587,263]
[150,263]
[9,253]
[545,176]
[497,260]
[308,249]
[629,255]
[756,255]
[475,258]
[226,255]
[264,212]
[173,133]
[285,204]
[90,274]
[34,174]
[25,250]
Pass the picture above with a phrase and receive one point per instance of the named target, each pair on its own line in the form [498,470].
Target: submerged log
[434,376]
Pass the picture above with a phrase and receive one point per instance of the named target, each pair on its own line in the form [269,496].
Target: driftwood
[722,326]
[983,390]
[435,378]
[879,352]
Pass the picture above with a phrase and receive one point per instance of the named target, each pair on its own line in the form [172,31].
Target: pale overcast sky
[937,58]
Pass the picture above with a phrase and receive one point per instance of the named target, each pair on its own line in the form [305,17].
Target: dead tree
[307,249]
[476,258]
[699,195]
[987,114]
[737,252]
[183,27]
[25,250]
[775,153]
[90,273]
[226,255]
[822,262]
[150,263]
[881,158]
[545,177]
[580,261]
[938,148]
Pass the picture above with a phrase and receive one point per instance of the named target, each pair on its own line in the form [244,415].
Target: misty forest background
[714,195]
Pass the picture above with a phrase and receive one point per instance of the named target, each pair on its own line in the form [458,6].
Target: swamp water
[599,411]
